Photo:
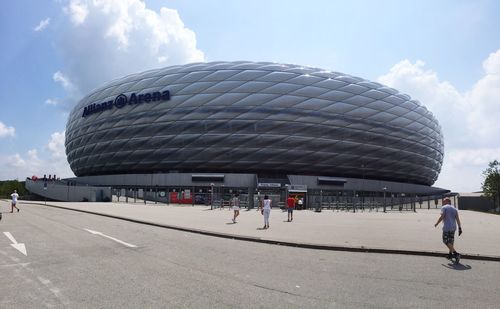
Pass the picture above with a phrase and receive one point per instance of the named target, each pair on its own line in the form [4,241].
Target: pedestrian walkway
[392,232]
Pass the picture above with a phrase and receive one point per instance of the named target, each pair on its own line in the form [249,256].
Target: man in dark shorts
[450,218]
[290,202]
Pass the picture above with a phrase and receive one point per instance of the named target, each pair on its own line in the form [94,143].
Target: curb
[476,257]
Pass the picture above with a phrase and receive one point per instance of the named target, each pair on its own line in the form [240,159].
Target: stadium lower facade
[198,132]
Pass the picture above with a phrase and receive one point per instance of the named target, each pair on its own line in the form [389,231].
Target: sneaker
[234,221]
[449,256]
[456,257]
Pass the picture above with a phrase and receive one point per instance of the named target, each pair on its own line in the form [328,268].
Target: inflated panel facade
[253,117]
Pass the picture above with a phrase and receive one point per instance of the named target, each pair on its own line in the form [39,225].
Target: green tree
[8,186]
[491,184]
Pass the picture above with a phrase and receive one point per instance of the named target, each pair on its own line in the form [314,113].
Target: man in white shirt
[14,196]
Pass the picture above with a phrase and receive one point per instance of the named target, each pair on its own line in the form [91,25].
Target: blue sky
[445,54]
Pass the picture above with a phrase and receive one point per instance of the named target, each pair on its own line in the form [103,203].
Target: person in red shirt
[290,201]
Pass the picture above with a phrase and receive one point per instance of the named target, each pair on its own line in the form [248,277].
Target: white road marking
[18,246]
[15,265]
[112,238]
[28,274]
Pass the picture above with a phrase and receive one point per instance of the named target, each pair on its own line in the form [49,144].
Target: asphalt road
[67,266]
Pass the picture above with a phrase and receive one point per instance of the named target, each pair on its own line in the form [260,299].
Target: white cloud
[50,160]
[51,102]
[492,65]
[58,161]
[42,25]
[484,102]
[65,82]
[56,145]
[476,157]
[469,120]
[20,167]
[108,39]
[33,155]
[16,161]
[6,131]
[73,94]
[440,97]
[77,11]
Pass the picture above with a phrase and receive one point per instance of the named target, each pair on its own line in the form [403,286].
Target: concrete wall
[368,185]
[61,192]
[249,181]
[162,180]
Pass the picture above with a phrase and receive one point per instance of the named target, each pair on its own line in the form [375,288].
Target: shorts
[290,210]
[236,208]
[448,237]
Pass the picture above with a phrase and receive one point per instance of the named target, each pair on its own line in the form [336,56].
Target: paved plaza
[391,232]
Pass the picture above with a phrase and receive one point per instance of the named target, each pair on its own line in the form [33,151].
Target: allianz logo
[121,100]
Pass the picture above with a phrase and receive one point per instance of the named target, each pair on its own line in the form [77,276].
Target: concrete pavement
[392,232]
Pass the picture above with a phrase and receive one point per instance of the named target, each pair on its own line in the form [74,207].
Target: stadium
[200,132]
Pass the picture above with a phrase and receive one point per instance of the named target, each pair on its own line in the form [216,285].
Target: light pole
[212,196]
[362,186]
[320,201]
[385,189]
[45,189]
[402,201]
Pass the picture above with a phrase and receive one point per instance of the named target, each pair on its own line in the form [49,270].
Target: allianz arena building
[198,133]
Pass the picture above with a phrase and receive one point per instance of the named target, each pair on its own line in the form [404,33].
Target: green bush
[7,187]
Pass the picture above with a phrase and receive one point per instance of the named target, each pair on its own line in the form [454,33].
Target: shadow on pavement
[457,266]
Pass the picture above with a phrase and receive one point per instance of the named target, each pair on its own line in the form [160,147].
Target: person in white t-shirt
[235,202]
[266,211]
[14,196]
[301,203]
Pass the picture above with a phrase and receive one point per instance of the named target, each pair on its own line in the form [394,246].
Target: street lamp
[320,201]
[212,196]
[362,186]
[385,189]
[403,201]
[45,189]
